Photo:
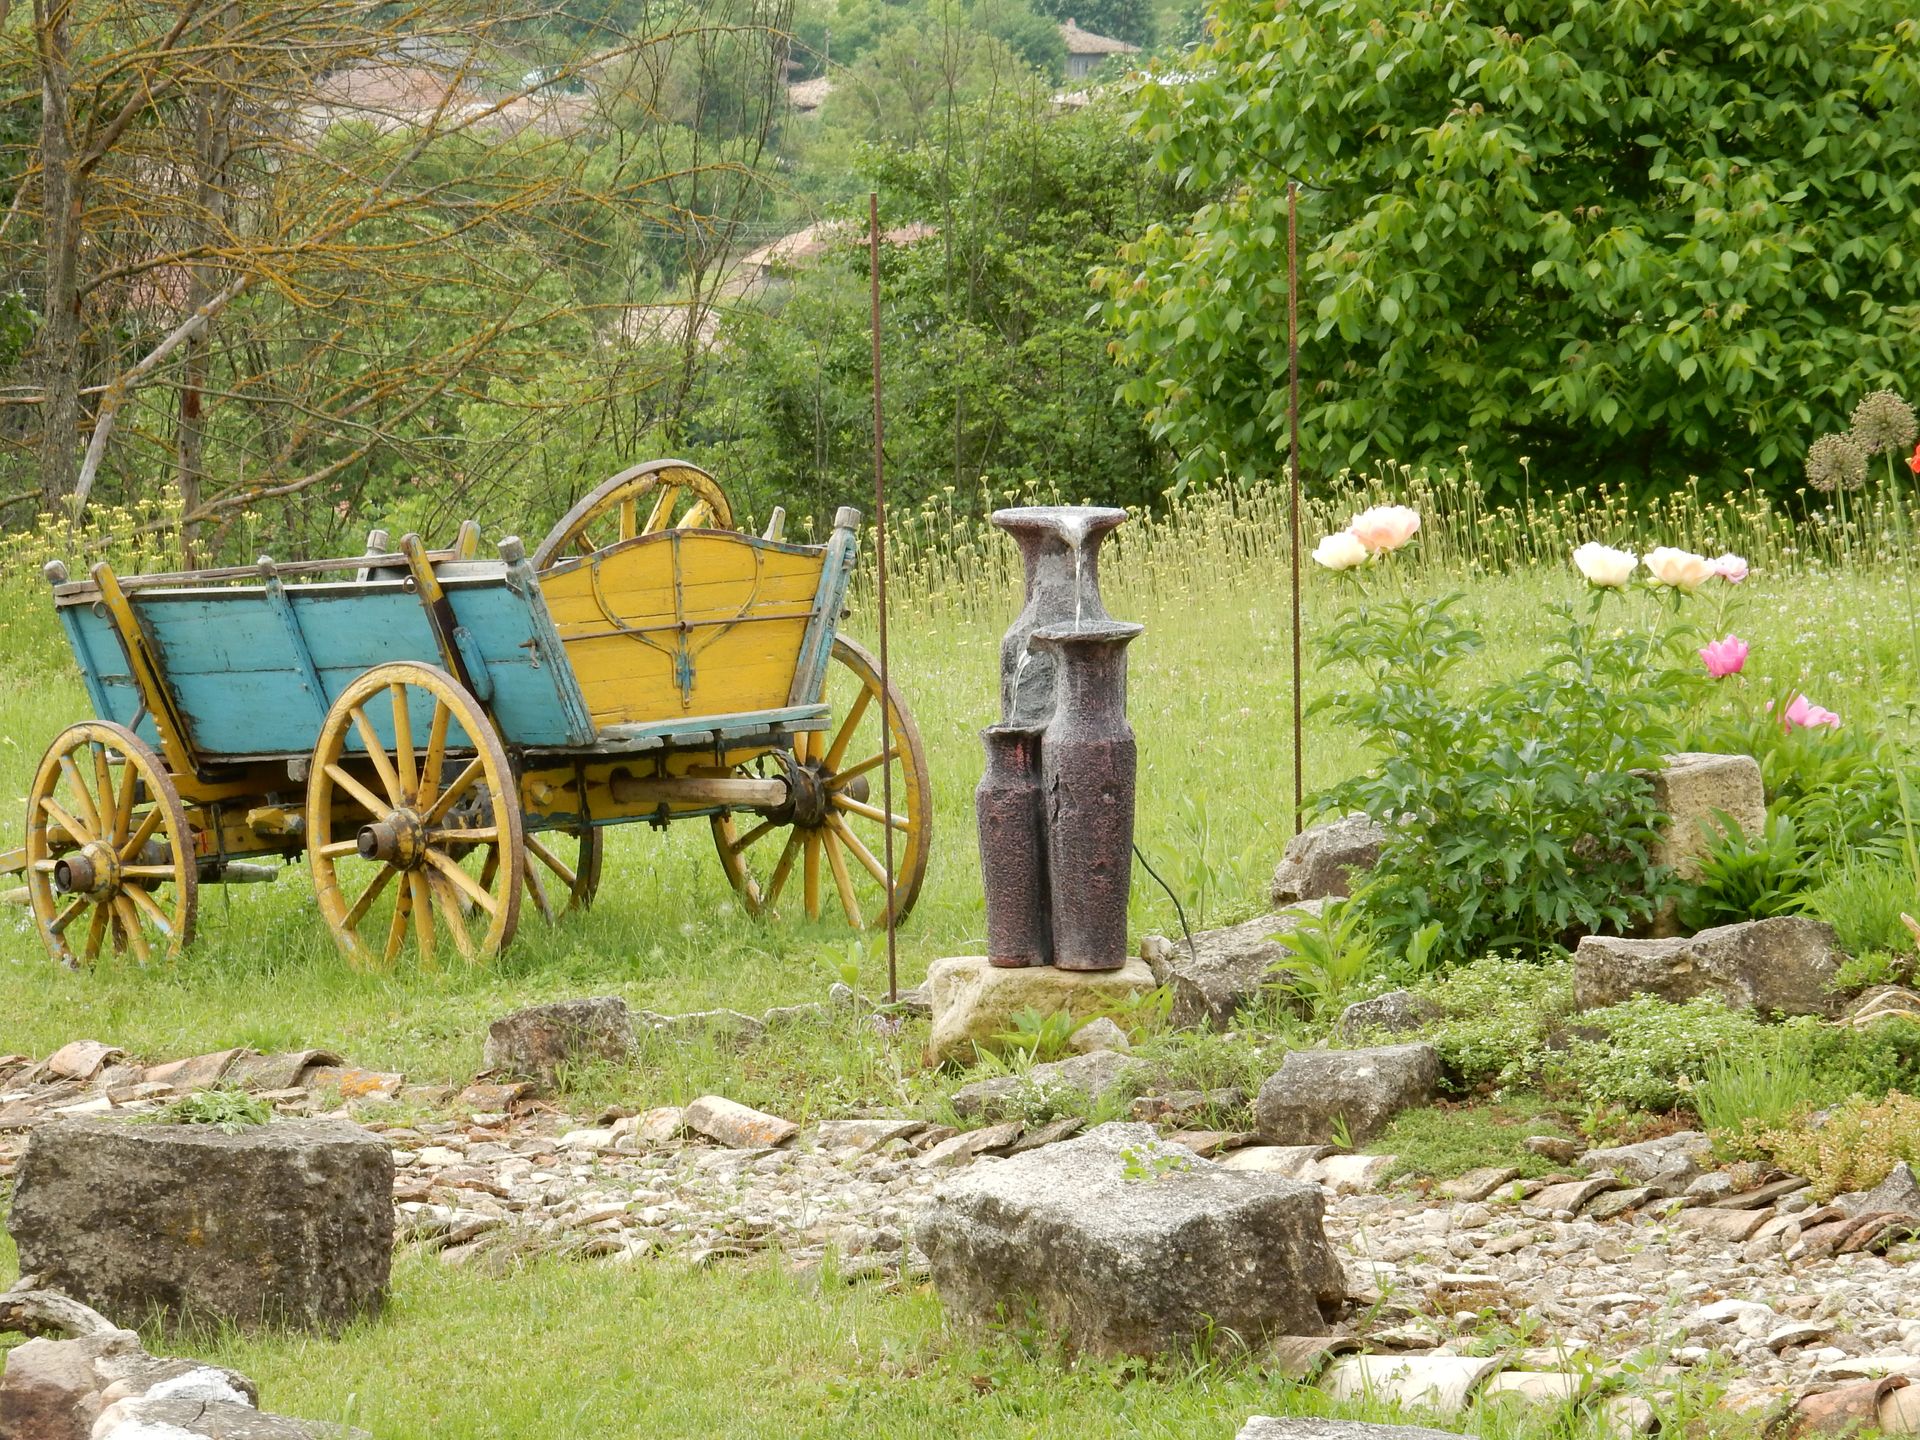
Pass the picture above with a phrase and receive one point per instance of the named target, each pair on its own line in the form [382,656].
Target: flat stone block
[974,1002]
[284,1224]
[1121,1243]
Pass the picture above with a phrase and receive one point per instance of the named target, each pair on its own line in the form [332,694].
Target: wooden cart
[443,736]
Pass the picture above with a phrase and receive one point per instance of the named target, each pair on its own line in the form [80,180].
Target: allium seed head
[1883,423]
[1835,462]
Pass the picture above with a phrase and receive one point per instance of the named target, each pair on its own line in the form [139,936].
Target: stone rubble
[1626,1249]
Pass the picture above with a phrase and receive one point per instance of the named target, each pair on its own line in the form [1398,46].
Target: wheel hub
[807,795]
[92,870]
[400,840]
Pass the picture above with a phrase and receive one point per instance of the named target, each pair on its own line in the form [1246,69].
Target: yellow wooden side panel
[686,623]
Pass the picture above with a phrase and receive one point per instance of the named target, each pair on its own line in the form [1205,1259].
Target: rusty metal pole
[1293,473]
[880,594]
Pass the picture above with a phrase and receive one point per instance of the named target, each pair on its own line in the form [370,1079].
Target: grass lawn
[565,1351]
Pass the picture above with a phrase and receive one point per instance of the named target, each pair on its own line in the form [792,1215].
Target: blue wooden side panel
[233,660]
[103,666]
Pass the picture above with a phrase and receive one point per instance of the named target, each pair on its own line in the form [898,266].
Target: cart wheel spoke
[378,758]
[534,884]
[837,751]
[351,921]
[436,752]
[765,827]
[149,825]
[461,881]
[696,518]
[629,522]
[83,801]
[871,812]
[403,756]
[423,927]
[552,861]
[96,932]
[860,852]
[810,874]
[67,916]
[82,834]
[872,762]
[842,881]
[137,876]
[662,513]
[462,783]
[365,798]
[397,926]
[455,924]
[129,918]
[783,869]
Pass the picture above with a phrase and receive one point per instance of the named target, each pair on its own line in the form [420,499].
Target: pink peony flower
[1803,714]
[1730,568]
[1385,527]
[1724,657]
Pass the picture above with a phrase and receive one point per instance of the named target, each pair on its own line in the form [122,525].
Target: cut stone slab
[862,1135]
[968,1144]
[1695,789]
[1314,1090]
[730,1026]
[1783,965]
[1321,860]
[1305,1427]
[1571,1195]
[1537,1387]
[196,1072]
[1731,1225]
[737,1126]
[1618,1202]
[277,1072]
[1398,1012]
[1225,970]
[1668,1163]
[974,1003]
[1352,1174]
[284,1224]
[1294,1161]
[1434,1382]
[1477,1185]
[536,1041]
[1079,1078]
[1082,1234]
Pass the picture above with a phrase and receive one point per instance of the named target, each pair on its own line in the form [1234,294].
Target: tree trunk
[60,331]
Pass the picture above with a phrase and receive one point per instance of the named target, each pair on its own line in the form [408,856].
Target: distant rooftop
[1085,42]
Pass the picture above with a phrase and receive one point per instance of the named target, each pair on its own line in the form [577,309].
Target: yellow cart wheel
[563,869]
[640,500]
[833,831]
[108,854]
[413,822]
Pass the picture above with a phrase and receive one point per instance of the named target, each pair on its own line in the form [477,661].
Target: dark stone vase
[1060,546]
[1088,763]
[1013,855]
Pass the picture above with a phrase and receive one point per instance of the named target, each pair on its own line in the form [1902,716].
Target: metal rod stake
[1293,474]
[880,566]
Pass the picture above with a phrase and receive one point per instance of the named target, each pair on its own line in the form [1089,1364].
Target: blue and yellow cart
[445,736]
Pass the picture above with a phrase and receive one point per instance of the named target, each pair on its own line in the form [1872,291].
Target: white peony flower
[1340,552]
[1604,566]
[1681,569]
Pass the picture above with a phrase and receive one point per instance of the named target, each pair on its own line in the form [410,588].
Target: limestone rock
[1313,1089]
[1668,1163]
[1694,789]
[283,1224]
[1898,1194]
[737,1126]
[1084,1079]
[1312,1427]
[1099,1034]
[1784,965]
[50,1389]
[182,1416]
[1124,1244]
[974,1003]
[1321,859]
[536,1041]
[1395,1013]
[1225,970]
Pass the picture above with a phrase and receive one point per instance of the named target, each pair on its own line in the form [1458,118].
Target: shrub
[1854,1147]
[1646,1053]
[1762,1086]
[1863,902]
[1496,1014]
[1524,230]
[1744,878]
[1867,1063]
[1836,786]
[1518,812]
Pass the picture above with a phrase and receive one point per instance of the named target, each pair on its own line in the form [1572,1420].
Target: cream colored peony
[1681,569]
[1385,527]
[1340,552]
[1604,566]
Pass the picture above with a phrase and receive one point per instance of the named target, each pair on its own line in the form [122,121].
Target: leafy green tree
[1632,242]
